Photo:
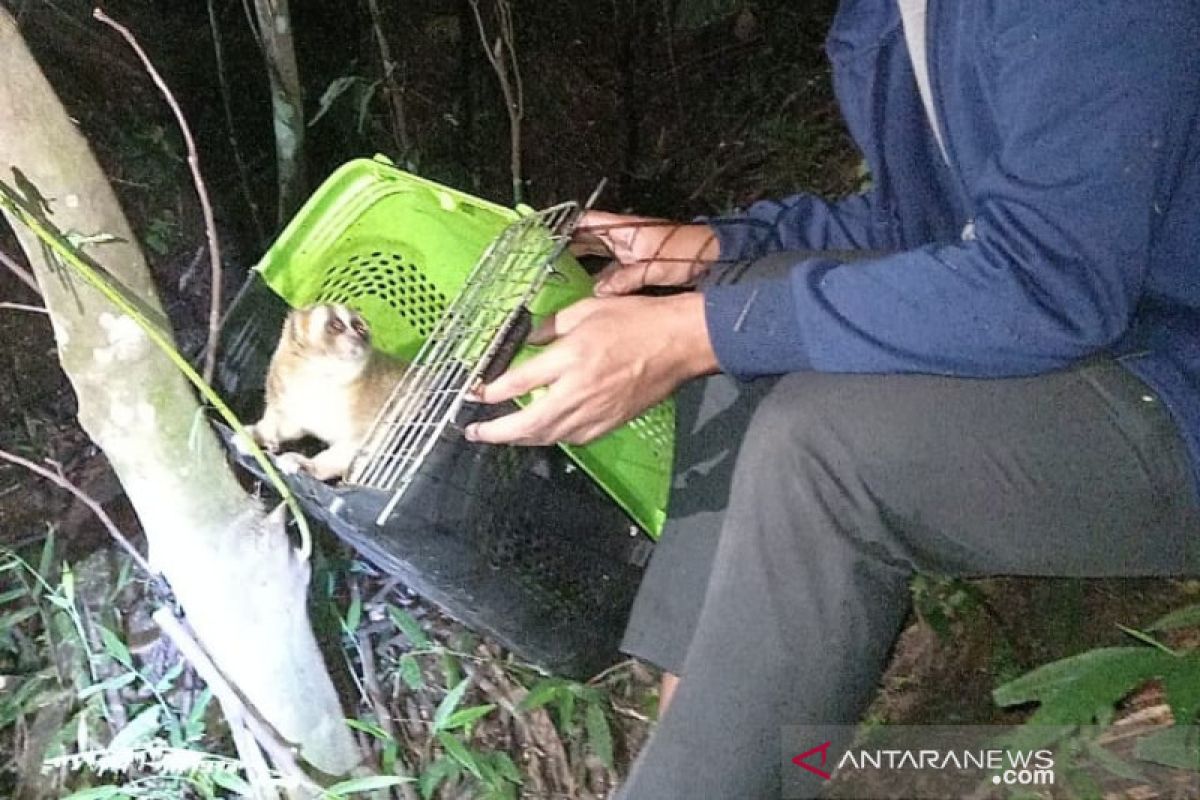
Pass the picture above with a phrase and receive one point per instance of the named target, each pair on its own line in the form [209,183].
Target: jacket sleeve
[1091,105]
[800,222]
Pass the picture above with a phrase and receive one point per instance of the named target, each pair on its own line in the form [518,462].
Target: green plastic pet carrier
[542,547]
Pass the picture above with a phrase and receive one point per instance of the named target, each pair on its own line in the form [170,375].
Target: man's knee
[806,418]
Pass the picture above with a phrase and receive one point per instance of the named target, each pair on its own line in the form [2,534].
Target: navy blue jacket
[1065,224]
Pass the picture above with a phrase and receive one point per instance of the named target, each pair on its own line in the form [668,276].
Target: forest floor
[685,117]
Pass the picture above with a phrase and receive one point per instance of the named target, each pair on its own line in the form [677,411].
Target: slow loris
[325,380]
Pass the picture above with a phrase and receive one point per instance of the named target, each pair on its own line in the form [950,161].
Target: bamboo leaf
[542,692]
[459,752]
[465,716]
[410,672]
[231,781]
[411,628]
[449,704]
[370,729]
[116,648]
[442,769]
[368,783]
[140,728]
[115,682]
[599,734]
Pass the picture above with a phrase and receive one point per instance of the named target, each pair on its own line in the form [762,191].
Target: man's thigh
[1080,472]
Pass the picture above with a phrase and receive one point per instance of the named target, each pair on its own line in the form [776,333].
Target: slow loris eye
[336,325]
[359,327]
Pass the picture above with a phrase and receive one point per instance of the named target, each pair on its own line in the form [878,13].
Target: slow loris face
[331,331]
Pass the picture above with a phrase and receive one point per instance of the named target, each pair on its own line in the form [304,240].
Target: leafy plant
[1076,697]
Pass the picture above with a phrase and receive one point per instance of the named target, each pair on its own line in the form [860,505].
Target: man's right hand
[645,251]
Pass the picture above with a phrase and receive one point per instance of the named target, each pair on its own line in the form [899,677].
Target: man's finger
[521,379]
[528,426]
[626,279]
[545,332]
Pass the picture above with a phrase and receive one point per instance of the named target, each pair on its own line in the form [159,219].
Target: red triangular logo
[823,749]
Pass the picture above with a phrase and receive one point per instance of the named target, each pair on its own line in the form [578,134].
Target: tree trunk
[232,569]
[287,102]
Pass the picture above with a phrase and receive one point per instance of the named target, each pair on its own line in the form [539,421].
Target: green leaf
[13,594]
[411,628]
[68,583]
[505,767]
[542,692]
[140,728]
[1074,690]
[165,683]
[1177,747]
[115,682]
[410,672]
[368,783]
[353,615]
[1113,763]
[459,752]
[115,647]
[194,727]
[599,734]
[566,712]
[15,618]
[370,729]
[436,773]
[449,704]
[1182,687]
[1146,638]
[98,793]
[1185,617]
[465,716]
[227,779]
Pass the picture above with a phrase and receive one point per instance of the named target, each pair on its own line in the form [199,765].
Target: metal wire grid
[462,345]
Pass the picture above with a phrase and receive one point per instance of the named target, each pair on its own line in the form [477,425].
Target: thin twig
[89,501]
[230,128]
[394,91]
[210,225]
[24,307]
[282,754]
[24,275]
[503,58]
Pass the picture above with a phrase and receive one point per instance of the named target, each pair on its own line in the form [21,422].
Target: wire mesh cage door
[474,340]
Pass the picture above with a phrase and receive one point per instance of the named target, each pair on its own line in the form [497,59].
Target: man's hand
[645,251]
[610,359]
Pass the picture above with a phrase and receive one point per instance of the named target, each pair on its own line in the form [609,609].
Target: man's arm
[801,222]
[1093,101]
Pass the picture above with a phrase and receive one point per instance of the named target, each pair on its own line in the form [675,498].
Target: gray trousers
[803,505]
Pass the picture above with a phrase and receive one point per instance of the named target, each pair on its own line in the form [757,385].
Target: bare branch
[24,307]
[503,58]
[193,159]
[59,480]
[237,711]
[394,90]
[24,275]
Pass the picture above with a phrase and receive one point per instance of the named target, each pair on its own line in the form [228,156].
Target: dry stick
[24,275]
[282,755]
[230,128]
[24,307]
[394,93]
[193,159]
[514,90]
[88,501]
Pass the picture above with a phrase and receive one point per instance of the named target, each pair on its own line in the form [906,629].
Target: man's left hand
[609,359]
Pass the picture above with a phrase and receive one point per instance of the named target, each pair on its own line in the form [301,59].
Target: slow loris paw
[293,463]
